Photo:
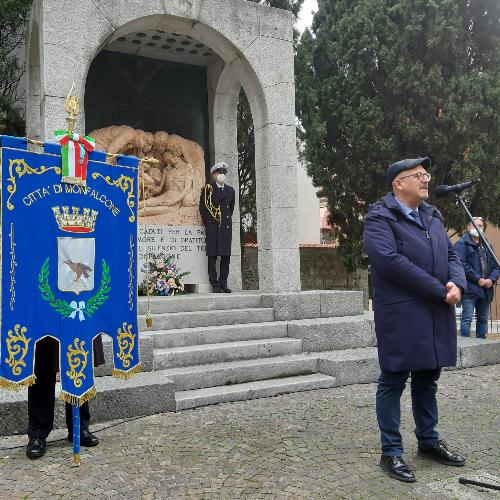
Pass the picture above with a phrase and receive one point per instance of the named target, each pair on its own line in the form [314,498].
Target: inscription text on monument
[185,244]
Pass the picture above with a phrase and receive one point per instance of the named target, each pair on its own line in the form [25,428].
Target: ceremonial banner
[69,259]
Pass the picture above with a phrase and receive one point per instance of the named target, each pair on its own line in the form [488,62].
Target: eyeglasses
[419,175]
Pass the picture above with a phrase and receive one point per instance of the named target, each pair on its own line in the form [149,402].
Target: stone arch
[225,80]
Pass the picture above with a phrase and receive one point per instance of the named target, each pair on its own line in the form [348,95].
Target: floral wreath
[71,309]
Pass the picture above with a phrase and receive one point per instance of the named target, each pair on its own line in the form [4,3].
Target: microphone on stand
[444,190]
[441,191]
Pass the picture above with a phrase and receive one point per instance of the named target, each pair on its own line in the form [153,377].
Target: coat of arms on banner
[75,264]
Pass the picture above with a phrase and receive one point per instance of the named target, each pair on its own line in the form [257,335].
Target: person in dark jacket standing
[482,273]
[41,399]
[417,280]
[216,209]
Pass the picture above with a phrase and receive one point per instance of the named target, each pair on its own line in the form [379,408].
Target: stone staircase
[231,349]
[213,348]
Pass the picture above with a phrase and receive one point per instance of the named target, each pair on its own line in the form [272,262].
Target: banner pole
[76,435]
[151,161]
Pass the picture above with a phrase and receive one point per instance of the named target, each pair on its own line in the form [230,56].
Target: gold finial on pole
[72,107]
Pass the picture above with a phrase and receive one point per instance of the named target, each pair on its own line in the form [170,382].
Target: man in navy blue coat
[417,280]
[482,273]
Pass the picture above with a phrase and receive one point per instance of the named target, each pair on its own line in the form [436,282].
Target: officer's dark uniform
[41,395]
[218,232]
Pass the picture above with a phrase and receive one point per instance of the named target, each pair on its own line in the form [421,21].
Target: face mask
[473,232]
[221,178]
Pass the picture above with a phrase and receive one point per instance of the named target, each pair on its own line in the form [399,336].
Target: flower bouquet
[162,277]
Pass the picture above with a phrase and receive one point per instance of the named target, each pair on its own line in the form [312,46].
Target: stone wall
[320,269]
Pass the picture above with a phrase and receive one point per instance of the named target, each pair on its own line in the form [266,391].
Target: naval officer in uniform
[216,209]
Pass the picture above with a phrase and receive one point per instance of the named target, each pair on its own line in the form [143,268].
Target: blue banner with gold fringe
[69,262]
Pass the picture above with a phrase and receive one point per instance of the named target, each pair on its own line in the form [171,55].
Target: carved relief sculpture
[169,191]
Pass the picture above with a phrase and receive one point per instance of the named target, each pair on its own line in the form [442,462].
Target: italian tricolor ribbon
[74,155]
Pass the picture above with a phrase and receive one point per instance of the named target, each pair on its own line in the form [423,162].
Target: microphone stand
[480,233]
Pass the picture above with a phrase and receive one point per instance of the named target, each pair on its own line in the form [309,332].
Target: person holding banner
[41,399]
[216,209]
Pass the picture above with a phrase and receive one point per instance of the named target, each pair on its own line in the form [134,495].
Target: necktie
[416,217]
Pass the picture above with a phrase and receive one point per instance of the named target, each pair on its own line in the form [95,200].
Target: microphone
[445,190]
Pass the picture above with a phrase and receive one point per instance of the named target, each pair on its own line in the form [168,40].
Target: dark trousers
[41,401]
[424,405]
[220,282]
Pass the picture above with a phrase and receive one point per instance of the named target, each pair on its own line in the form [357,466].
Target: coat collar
[389,200]
[219,193]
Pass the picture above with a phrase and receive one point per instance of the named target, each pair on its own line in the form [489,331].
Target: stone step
[226,351]
[217,317]
[314,304]
[153,392]
[252,390]
[164,339]
[199,302]
[329,334]
[360,366]
[477,352]
[351,366]
[143,394]
[237,372]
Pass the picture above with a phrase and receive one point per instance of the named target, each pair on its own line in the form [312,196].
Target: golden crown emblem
[71,220]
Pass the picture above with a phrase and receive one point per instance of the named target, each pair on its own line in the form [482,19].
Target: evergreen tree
[382,80]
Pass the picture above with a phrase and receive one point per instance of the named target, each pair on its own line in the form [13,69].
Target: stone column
[276,157]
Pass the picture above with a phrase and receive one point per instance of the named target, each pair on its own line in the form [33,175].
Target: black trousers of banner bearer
[41,402]
[41,396]
[220,282]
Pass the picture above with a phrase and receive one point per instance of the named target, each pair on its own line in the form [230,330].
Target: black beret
[402,165]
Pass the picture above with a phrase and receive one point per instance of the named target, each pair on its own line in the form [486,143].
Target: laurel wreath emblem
[64,308]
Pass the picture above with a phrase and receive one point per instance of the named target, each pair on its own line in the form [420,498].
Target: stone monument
[239,44]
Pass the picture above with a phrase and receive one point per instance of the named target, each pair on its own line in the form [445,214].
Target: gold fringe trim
[17,386]
[125,375]
[73,400]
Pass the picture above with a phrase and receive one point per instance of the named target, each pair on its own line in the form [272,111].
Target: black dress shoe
[86,439]
[226,290]
[218,290]
[397,469]
[36,448]
[442,454]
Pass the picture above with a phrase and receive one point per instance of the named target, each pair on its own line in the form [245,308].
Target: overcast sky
[305,16]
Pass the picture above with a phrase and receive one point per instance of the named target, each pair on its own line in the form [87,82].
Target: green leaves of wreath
[63,307]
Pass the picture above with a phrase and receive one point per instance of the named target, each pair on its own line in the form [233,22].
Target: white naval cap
[219,166]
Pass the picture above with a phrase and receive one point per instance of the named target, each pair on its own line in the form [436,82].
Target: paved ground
[320,444]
